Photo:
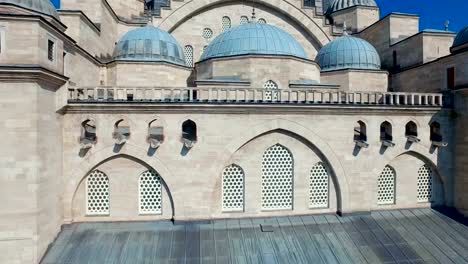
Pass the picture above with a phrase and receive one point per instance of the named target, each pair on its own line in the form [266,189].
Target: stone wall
[223,139]
[432,77]
[31,160]
[19,35]
[461,153]
[138,74]
[189,31]
[258,69]
[388,31]
[356,18]
[357,80]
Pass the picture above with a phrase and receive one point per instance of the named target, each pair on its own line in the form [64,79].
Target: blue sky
[433,13]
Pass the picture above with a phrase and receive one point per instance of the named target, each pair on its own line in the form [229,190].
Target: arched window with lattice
[97,193]
[425,184]
[319,186]
[244,20]
[207,33]
[277,178]
[150,193]
[262,21]
[271,93]
[386,186]
[233,189]
[188,53]
[226,23]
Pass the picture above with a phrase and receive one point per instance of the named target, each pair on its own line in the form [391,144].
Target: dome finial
[345,29]
[150,21]
[447,23]
[253,10]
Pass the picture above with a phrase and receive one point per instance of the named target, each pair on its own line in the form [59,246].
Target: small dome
[254,39]
[149,44]
[41,6]
[338,5]
[348,53]
[461,38]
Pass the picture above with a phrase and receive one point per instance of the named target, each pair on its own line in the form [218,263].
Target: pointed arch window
[189,133]
[319,186]
[226,23]
[386,134]
[386,186]
[411,132]
[188,53]
[425,184]
[277,178]
[360,134]
[88,134]
[436,135]
[271,93]
[121,132]
[150,193]
[233,189]
[97,193]
[244,20]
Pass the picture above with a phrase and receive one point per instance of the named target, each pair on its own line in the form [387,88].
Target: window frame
[52,39]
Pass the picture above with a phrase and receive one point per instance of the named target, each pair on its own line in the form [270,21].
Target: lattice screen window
[270,95]
[318,186]
[386,186]
[244,20]
[425,184]
[233,189]
[262,21]
[277,178]
[97,193]
[188,53]
[226,23]
[207,33]
[150,193]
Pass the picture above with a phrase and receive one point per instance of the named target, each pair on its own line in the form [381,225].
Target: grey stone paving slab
[400,236]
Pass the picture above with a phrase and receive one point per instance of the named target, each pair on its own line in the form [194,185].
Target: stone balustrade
[251,96]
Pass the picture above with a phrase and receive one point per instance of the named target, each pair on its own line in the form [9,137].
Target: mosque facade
[190,110]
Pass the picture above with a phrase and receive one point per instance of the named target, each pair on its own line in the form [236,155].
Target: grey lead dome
[40,6]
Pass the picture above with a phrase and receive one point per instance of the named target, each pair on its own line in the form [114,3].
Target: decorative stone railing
[250,96]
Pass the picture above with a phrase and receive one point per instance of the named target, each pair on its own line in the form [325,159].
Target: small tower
[358,14]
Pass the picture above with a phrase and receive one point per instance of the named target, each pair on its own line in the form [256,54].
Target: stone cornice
[31,73]
[226,108]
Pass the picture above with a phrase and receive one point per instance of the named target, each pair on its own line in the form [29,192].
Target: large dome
[254,38]
[149,44]
[40,6]
[338,5]
[461,38]
[348,53]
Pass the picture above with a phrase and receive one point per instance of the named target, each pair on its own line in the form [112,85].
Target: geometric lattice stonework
[244,20]
[226,23]
[318,186]
[277,178]
[386,186]
[233,189]
[207,33]
[273,94]
[262,21]
[188,53]
[97,193]
[425,184]
[150,193]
